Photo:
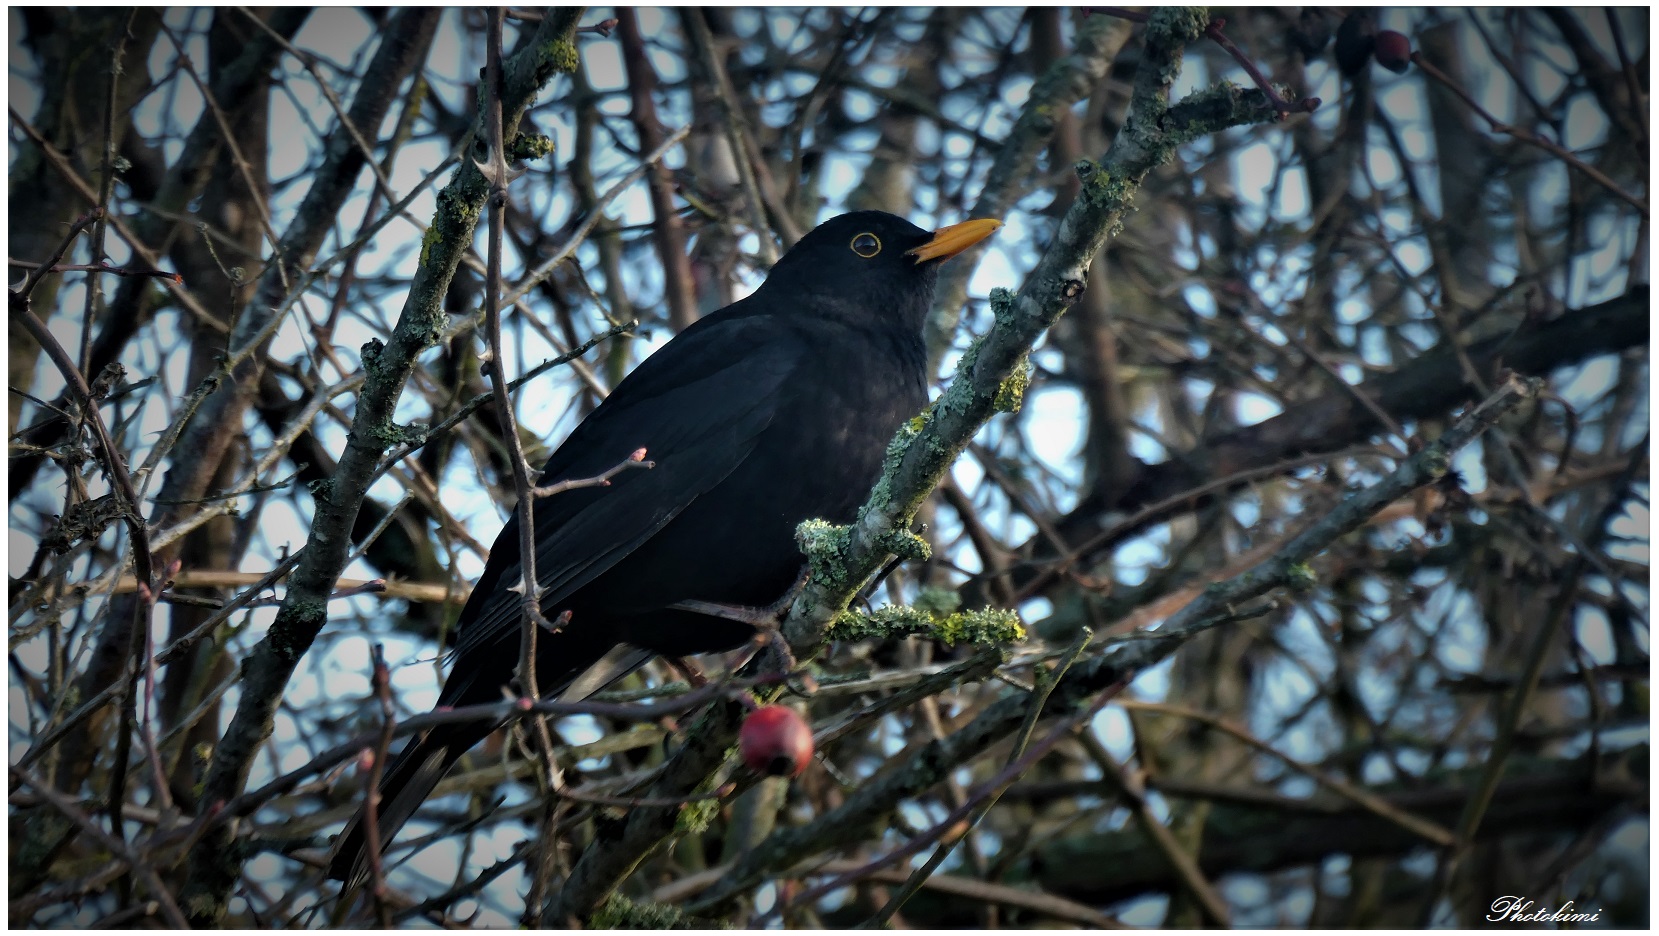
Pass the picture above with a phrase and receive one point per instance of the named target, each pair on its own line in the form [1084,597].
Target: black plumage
[773,410]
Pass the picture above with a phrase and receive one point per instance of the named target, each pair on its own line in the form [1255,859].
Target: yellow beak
[952,239]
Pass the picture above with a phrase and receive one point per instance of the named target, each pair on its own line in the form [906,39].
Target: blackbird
[771,411]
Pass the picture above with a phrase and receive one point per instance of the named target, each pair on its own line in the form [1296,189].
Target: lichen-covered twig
[1065,83]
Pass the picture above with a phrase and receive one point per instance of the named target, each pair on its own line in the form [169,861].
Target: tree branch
[214,866]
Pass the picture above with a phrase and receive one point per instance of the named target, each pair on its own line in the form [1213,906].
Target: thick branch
[214,867]
[1099,867]
[1428,386]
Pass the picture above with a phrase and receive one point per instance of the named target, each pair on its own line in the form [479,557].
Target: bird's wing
[696,407]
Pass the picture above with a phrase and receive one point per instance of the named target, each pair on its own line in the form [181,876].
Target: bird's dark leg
[763,618]
[767,620]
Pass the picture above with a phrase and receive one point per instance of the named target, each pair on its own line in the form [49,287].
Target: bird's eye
[866,245]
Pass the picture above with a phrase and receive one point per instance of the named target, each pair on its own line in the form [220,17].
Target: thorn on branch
[40,270]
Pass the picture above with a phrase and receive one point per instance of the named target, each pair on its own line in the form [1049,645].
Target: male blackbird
[773,410]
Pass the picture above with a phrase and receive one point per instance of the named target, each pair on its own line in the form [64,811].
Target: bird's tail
[416,770]
[404,786]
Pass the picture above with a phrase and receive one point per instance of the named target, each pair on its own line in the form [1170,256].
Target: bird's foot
[768,649]
[763,618]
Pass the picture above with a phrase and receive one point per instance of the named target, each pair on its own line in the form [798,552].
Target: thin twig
[487,398]
[40,270]
[601,28]
[114,463]
[1182,859]
[986,791]
[161,796]
[150,258]
[1507,729]
[380,679]
[1527,136]
[1284,107]
[635,459]
[228,137]
[1425,829]
[1045,688]
[341,113]
[123,852]
[106,187]
[735,128]
[100,267]
[597,214]
[497,713]
[1215,32]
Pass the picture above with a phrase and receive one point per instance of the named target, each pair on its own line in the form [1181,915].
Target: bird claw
[765,618]
[761,619]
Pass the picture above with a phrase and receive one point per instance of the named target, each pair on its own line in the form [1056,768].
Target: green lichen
[391,434]
[1300,577]
[881,495]
[1041,118]
[369,352]
[561,55]
[468,210]
[1204,113]
[825,545]
[1002,305]
[1177,25]
[201,757]
[970,357]
[1011,392]
[1437,462]
[429,240]
[527,146]
[618,912]
[695,817]
[960,394]
[905,545]
[986,626]
[1103,190]
[900,443]
[321,489]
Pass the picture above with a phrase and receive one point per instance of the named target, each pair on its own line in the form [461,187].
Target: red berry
[775,740]
[1392,51]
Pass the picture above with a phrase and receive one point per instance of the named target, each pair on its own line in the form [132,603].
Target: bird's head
[872,261]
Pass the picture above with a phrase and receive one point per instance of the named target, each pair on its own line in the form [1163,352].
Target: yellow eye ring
[866,245]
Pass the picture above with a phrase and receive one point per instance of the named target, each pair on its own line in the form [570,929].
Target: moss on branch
[987,626]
